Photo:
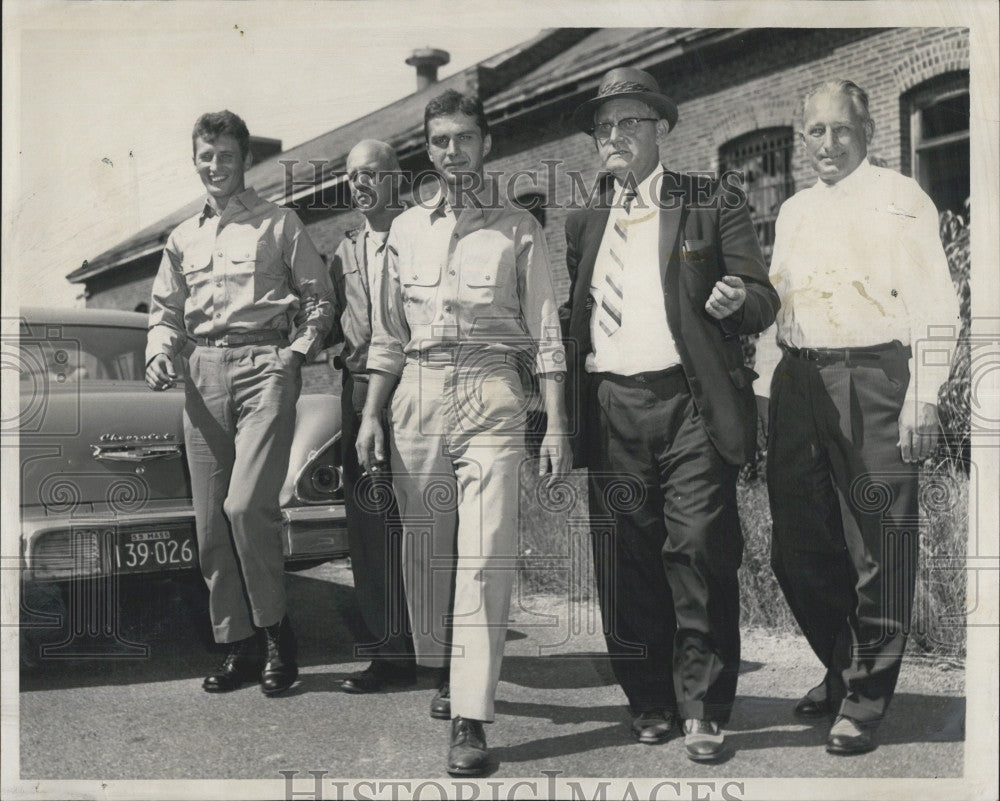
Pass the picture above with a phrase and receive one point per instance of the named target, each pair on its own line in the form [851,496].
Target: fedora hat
[625,82]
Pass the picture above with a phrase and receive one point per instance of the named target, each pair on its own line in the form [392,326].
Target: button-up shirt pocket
[487,271]
[253,265]
[197,272]
[420,281]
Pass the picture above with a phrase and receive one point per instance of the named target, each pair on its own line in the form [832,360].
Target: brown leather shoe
[242,664]
[467,755]
[653,727]
[703,740]
[848,737]
[441,702]
[380,674]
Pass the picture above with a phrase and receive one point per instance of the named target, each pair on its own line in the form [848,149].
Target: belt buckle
[640,378]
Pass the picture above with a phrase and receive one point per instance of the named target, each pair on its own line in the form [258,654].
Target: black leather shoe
[380,674]
[467,755]
[703,740]
[848,737]
[441,702]
[814,704]
[653,727]
[280,670]
[242,664]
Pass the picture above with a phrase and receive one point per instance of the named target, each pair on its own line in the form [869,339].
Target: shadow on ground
[161,632]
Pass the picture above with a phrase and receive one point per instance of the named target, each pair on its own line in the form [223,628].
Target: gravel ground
[558,708]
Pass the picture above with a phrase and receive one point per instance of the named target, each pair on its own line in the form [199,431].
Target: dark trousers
[239,417]
[667,545]
[844,506]
[373,533]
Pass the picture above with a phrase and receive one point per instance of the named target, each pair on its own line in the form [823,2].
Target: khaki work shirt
[480,278]
[252,268]
[355,269]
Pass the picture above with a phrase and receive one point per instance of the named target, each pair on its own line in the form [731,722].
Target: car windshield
[68,354]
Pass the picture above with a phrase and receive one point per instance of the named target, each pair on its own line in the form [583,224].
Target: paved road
[558,707]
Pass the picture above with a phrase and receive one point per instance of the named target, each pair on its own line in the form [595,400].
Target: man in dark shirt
[372,518]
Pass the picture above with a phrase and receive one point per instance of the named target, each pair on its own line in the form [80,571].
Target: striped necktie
[609,316]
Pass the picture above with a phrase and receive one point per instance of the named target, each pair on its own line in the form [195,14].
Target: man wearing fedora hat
[666,275]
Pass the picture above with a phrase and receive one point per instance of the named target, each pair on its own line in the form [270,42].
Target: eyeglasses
[627,126]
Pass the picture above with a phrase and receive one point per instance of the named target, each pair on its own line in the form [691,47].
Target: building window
[764,158]
[936,117]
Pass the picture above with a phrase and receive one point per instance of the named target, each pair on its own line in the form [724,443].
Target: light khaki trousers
[239,418]
[457,447]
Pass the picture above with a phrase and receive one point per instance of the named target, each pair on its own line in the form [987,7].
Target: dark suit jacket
[702,238]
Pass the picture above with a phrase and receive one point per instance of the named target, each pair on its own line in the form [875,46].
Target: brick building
[737,91]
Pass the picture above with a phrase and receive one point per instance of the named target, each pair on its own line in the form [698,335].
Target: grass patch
[556,557]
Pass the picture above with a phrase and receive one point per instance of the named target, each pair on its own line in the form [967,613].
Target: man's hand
[727,297]
[554,455]
[918,431]
[371,442]
[160,373]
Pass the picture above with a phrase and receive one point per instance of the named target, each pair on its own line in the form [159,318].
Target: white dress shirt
[858,263]
[643,343]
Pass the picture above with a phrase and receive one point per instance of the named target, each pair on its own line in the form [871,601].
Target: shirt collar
[376,236]
[850,183]
[438,204]
[247,198]
[644,190]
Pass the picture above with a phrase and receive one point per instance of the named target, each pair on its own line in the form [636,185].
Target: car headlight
[321,479]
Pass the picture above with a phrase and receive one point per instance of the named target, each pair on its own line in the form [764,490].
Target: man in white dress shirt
[864,288]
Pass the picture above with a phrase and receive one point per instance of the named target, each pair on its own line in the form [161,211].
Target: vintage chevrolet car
[105,490]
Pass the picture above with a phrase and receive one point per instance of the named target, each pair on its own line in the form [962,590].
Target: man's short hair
[857,96]
[452,102]
[219,123]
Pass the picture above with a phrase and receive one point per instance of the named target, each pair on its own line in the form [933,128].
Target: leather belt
[643,379]
[867,353]
[467,353]
[235,340]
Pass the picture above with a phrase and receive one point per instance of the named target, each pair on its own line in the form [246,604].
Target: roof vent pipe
[427,60]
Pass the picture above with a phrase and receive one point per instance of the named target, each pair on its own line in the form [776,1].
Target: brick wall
[722,93]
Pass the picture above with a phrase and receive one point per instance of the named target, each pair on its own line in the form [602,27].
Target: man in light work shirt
[373,173]
[466,295]
[233,279]
[863,281]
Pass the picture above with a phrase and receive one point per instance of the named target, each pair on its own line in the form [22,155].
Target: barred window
[936,120]
[764,158]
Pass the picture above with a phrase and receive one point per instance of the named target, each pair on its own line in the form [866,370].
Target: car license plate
[156,549]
